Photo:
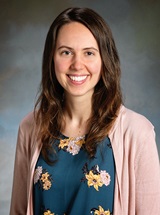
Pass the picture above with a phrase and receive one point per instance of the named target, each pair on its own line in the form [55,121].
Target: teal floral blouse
[75,184]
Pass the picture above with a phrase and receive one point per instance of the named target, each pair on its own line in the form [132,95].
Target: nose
[77,63]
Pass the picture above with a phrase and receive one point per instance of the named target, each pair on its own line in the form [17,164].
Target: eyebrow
[61,47]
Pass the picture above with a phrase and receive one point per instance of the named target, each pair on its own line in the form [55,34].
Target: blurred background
[24,24]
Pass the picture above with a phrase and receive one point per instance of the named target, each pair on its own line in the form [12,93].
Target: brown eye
[89,53]
[65,52]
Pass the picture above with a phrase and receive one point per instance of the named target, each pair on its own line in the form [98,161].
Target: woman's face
[77,60]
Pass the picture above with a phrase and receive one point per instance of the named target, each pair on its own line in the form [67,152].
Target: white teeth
[78,78]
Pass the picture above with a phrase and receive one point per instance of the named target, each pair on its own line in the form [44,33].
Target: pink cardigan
[137,185]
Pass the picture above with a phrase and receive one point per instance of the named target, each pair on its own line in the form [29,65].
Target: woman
[82,151]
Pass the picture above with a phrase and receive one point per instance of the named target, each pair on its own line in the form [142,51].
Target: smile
[77,78]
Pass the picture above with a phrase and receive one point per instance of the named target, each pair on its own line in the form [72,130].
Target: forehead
[75,32]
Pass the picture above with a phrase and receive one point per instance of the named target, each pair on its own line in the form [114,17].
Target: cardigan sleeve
[21,170]
[147,173]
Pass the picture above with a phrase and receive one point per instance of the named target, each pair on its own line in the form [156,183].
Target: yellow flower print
[73,148]
[94,180]
[47,185]
[80,142]
[48,212]
[44,177]
[101,211]
[63,143]
[72,144]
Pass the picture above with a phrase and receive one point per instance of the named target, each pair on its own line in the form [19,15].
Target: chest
[75,184]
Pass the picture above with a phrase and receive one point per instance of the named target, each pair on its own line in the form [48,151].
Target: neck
[78,107]
[77,111]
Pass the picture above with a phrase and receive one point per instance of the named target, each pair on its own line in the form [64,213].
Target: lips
[77,78]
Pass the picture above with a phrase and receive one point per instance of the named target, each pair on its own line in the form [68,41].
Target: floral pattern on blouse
[72,145]
[100,211]
[43,178]
[95,177]
[48,212]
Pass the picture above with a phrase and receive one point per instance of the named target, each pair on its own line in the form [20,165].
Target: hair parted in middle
[107,97]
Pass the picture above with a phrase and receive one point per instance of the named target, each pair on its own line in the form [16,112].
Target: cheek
[60,67]
[96,68]
[97,71]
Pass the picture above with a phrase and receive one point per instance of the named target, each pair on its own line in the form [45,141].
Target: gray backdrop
[24,25]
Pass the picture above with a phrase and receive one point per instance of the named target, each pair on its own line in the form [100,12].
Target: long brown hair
[107,97]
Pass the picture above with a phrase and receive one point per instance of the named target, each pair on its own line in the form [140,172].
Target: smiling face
[77,60]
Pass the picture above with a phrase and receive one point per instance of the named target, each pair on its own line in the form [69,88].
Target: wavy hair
[107,97]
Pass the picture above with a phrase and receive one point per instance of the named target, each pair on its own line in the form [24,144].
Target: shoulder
[27,134]
[133,136]
[132,123]
[131,119]
[28,124]
[28,120]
